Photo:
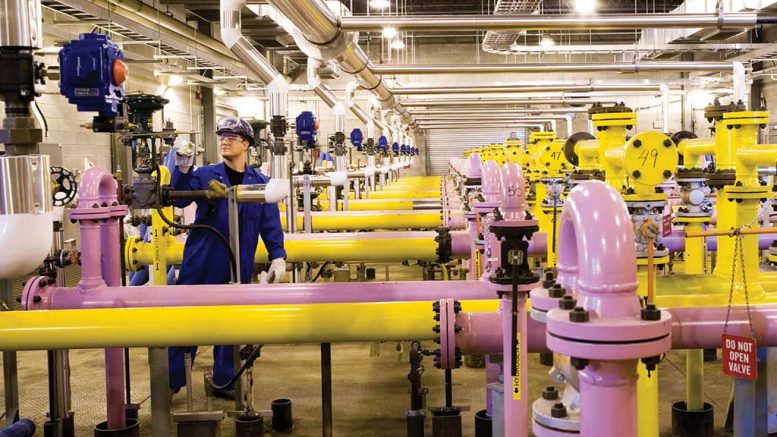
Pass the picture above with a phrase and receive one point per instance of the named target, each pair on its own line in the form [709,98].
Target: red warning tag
[666,225]
[739,357]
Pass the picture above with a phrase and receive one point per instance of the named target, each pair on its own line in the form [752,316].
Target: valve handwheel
[66,188]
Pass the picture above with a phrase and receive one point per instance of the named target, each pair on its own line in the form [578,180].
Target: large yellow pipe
[398,194]
[370,220]
[180,326]
[139,254]
[388,204]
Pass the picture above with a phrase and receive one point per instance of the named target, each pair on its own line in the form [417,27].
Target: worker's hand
[275,273]
[184,156]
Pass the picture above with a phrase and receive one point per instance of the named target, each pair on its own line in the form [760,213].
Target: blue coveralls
[205,257]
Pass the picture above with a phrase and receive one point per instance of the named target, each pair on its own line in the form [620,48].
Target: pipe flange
[544,422]
[444,245]
[327,51]
[96,212]
[448,356]
[721,178]
[36,294]
[130,249]
[545,299]
[608,339]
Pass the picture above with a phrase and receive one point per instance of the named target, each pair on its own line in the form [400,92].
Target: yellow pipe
[379,204]
[391,195]
[693,149]
[694,260]
[139,254]
[371,220]
[208,325]
[161,235]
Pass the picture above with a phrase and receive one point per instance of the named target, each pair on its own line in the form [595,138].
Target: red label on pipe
[666,225]
[739,358]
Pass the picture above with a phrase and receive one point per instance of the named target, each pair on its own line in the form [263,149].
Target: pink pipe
[251,294]
[491,184]
[100,250]
[513,185]
[473,166]
[597,242]
[605,268]
[461,244]
[516,411]
[481,333]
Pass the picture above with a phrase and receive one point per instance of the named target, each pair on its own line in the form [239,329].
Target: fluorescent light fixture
[380,4]
[175,80]
[397,44]
[389,32]
[585,6]
[547,41]
[218,92]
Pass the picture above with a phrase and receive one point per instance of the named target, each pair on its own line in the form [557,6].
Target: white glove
[275,273]
[184,157]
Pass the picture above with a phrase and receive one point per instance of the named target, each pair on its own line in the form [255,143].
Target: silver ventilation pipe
[526,88]
[320,37]
[565,110]
[477,23]
[597,67]
[494,102]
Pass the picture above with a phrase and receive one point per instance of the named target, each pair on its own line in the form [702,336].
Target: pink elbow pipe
[513,185]
[490,182]
[473,166]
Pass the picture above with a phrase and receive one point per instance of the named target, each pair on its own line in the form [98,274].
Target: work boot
[211,391]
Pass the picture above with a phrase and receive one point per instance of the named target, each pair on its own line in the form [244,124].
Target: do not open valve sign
[739,357]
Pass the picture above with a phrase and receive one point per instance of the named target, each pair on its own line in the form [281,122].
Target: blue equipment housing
[307,128]
[383,144]
[92,74]
[357,138]
[395,148]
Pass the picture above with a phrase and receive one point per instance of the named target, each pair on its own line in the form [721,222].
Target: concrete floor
[370,392]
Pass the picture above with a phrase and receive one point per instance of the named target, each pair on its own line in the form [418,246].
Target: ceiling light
[389,32]
[547,41]
[585,6]
[218,92]
[175,80]
[397,44]
[380,4]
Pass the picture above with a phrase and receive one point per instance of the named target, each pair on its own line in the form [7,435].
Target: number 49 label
[739,357]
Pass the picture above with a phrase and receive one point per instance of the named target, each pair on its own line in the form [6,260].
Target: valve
[383,144]
[92,76]
[306,128]
[357,138]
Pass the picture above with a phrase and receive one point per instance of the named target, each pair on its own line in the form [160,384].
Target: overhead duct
[320,37]
[499,111]
[477,23]
[496,101]
[525,88]
[620,67]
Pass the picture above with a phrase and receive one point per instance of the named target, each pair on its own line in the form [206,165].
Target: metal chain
[738,253]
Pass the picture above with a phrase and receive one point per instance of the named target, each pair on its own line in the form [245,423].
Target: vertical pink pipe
[516,411]
[607,398]
[100,255]
[491,183]
[473,167]
[513,186]
[491,187]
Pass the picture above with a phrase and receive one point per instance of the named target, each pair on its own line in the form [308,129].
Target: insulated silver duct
[459,102]
[320,37]
[469,23]
[527,88]
[499,111]
[622,67]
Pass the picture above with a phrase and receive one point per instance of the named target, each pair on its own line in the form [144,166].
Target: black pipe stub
[692,423]
[710,355]
[483,424]
[131,410]
[446,422]
[415,423]
[249,425]
[281,415]
[131,429]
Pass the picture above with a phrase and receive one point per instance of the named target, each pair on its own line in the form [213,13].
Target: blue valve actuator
[307,128]
[357,138]
[383,144]
[92,74]
[395,147]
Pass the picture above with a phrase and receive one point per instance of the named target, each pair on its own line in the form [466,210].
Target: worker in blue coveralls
[206,258]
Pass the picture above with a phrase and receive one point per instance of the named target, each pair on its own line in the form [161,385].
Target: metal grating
[500,42]
[442,145]
[114,28]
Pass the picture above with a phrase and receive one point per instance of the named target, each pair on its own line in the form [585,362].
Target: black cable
[319,272]
[248,363]
[168,222]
